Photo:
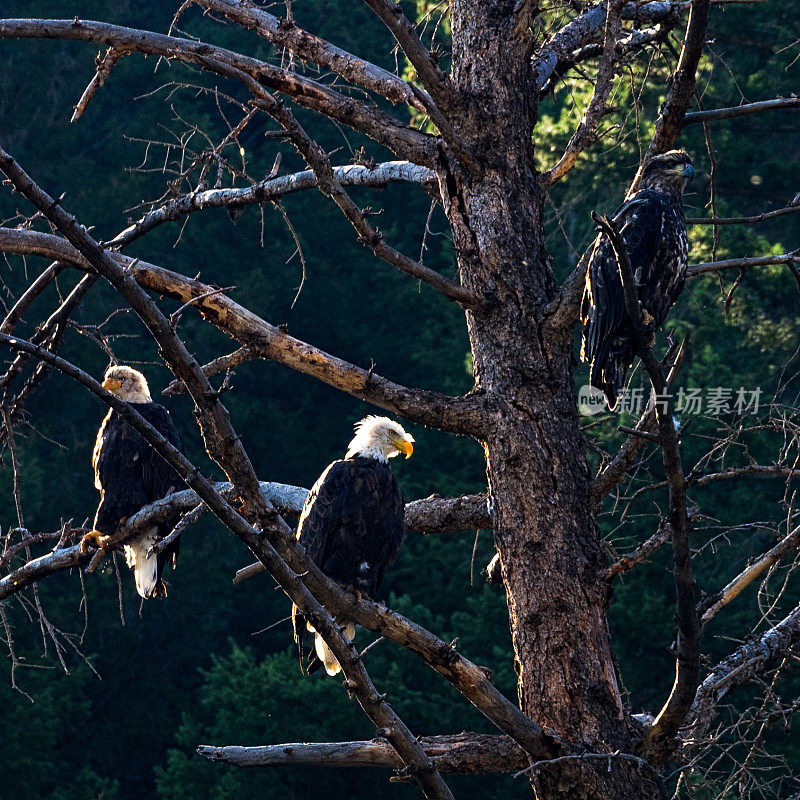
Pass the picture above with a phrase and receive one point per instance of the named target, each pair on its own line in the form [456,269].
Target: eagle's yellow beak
[111,384]
[405,447]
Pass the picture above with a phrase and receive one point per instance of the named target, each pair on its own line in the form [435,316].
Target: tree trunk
[547,537]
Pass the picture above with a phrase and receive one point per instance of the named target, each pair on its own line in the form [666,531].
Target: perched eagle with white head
[130,475]
[351,525]
[653,228]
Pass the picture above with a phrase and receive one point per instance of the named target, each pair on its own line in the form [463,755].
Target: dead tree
[476,155]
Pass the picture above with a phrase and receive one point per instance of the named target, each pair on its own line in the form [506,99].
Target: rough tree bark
[538,476]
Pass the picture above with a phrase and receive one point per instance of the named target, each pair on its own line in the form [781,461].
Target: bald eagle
[351,525]
[130,475]
[654,230]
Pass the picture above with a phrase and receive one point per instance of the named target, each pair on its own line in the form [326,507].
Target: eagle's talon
[93,539]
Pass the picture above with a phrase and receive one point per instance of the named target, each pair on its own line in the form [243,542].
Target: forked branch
[661,735]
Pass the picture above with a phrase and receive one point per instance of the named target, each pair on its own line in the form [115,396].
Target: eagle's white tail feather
[325,654]
[145,570]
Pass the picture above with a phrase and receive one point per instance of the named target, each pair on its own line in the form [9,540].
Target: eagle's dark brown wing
[351,525]
[607,341]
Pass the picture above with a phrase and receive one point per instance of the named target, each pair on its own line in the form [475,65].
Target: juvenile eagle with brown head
[131,475]
[653,228]
[351,525]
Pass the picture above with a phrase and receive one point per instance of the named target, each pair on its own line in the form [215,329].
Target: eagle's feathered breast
[351,525]
[127,470]
[130,475]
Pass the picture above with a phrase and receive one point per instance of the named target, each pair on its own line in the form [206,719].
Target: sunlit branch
[740,667]
[714,114]
[735,587]
[271,189]
[464,752]
[586,132]
[556,55]
[104,67]
[464,415]
[284,33]
[693,270]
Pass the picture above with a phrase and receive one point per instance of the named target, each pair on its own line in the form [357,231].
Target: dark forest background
[196,668]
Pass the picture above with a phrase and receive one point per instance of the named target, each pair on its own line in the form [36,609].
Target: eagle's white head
[128,384]
[380,438]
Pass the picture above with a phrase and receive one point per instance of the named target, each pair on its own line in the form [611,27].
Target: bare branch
[681,90]
[464,415]
[30,294]
[641,554]
[104,67]
[735,587]
[309,47]
[447,514]
[738,668]
[271,189]
[433,79]
[586,132]
[779,212]
[714,114]
[362,116]
[693,270]
[471,753]
[615,471]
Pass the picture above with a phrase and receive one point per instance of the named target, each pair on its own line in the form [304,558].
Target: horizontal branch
[271,189]
[768,471]
[431,515]
[753,220]
[362,116]
[714,114]
[462,415]
[57,561]
[693,270]
[464,752]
